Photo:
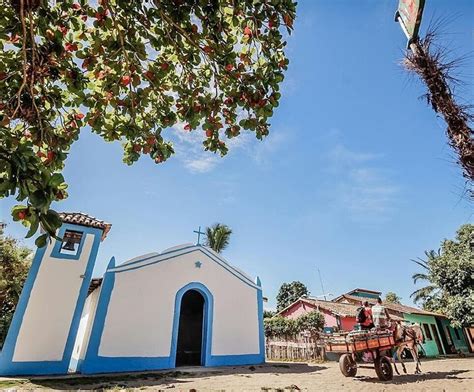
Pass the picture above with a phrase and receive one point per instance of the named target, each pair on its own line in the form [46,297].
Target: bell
[68,245]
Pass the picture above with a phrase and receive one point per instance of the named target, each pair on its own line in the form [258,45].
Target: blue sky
[355,178]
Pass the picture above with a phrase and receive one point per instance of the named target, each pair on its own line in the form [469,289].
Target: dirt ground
[455,374]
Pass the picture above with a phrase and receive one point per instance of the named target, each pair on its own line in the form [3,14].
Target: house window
[428,336]
[71,242]
[448,335]
[470,333]
[456,332]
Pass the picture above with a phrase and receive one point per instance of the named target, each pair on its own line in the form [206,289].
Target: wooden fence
[294,350]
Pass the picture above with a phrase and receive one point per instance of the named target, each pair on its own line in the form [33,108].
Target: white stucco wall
[83,331]
[48,315]
[92,308]
[140,314]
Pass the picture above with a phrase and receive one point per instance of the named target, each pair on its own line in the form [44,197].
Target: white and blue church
[185,306]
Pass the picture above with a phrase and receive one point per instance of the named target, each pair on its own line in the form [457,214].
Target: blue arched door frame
[207,321]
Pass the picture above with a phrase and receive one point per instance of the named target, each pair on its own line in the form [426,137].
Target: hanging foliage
[129,69]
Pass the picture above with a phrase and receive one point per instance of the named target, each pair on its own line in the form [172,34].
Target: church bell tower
[44,327]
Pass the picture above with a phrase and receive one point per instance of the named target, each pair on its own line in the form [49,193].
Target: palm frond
[423,293]
[218,236]
[421,263]
[209,238]
[419,276]
[432,254]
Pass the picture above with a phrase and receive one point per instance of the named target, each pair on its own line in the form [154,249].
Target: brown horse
[407,337]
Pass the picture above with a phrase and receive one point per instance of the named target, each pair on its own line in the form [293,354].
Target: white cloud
[341,155]
[263,151]
[200,164]
[362,188]
[190,151]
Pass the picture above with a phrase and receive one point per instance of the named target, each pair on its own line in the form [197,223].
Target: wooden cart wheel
[384,369]
[347,365]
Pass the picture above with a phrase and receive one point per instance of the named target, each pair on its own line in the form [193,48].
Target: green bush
[15,262]
[281,327]
[311,322]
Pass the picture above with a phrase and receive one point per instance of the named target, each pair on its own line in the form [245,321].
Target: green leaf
[56,180]
[41,240]
[38,199]
[34,223]
[53,219]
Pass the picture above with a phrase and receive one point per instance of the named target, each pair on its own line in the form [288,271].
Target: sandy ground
[438,375]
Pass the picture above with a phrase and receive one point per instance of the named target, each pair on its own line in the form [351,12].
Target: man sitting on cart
[366,323]
[380,315]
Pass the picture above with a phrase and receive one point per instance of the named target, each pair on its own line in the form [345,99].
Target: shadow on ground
[413,378]
[159,379]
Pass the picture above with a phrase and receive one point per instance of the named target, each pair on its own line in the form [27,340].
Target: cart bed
[360,342]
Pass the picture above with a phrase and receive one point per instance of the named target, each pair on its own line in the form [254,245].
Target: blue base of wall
[135,364]
[32,368]
[121,365]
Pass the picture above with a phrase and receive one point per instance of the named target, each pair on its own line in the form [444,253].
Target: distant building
[365,293]
[340,314]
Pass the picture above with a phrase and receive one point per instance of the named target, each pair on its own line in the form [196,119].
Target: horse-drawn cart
[372,346]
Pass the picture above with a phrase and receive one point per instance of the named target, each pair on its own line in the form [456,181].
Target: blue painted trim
[56,252]
[7,365]
[154,256]
[207,320]
[124,364]
[224,264]
[125,268]
[229,267]
[136,364]
[230,360]
[261,331]
[92,363]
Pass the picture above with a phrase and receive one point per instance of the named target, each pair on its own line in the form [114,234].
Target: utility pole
[322,287]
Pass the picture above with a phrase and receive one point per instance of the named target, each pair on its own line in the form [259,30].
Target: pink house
[337,316]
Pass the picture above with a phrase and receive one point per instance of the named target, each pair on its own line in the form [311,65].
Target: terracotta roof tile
[346,310]
[82,219]
[354,298]
[394,307]
[337,308]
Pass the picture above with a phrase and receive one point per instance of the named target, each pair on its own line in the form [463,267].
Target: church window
[71,242]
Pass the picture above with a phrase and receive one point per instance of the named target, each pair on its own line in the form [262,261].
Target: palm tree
[430,292]
[218,236]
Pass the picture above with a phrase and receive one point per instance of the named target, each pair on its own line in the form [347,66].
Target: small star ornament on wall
[197,264]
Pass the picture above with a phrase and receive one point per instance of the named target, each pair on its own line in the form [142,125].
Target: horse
[407,337]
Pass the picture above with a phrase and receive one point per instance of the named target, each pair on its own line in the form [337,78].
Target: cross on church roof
[199,232]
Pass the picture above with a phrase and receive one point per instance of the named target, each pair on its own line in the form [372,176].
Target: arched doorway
[190,332]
